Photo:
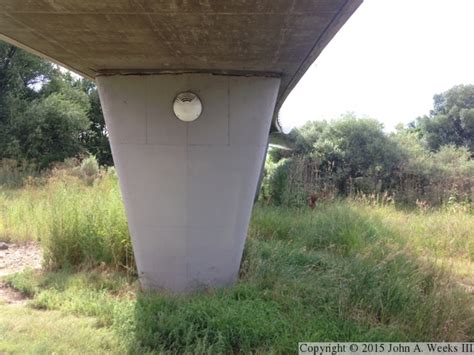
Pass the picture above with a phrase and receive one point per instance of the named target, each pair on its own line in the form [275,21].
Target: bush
[88,170]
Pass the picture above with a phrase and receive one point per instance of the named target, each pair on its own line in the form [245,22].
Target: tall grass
[370,264]
[14,174]
[78,221]
[343,271]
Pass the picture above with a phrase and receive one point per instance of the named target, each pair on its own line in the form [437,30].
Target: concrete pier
[188,187]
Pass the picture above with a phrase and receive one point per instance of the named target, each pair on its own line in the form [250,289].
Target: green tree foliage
[96,139]
[20,72]
[47,115]
[48,130]
[306,136]
[437,177]
[346,155]
[451,121]
[358,148]
[353,156]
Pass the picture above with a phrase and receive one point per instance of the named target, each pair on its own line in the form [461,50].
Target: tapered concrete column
[188,188]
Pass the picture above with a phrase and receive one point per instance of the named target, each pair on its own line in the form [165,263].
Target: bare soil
[15,259]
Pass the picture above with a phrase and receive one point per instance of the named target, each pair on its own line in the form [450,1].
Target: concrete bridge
[190,91]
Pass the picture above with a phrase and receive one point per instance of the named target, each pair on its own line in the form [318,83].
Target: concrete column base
[188,188]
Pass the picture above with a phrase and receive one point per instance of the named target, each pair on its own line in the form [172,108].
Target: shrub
[89,169]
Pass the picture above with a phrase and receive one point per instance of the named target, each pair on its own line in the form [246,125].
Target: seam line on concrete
[228,112]
[186,192]
[147,97]
[143,72]
[170,13]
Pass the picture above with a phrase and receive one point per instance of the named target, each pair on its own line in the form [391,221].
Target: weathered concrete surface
[265,37]
[188,187]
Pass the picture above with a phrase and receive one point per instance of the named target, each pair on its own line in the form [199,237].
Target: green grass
[345,271]
[28,331]
[76,223]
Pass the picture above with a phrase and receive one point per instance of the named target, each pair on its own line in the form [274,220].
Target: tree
[48,130]
[358,148]
[20,71]
[307,135]
[47,115]
[451,122]
[42,114]
[96,139]
[342,156]
[20,76]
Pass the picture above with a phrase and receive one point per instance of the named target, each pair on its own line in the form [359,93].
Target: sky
[387,62]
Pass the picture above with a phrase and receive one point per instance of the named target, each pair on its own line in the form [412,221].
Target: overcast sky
[387,62]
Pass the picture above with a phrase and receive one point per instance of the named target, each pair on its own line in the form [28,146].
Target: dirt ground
[13,259]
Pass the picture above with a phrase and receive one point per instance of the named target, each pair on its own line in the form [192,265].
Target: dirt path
[15,258]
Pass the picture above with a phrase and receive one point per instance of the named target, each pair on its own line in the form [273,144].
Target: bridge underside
[278,38]
[188,188]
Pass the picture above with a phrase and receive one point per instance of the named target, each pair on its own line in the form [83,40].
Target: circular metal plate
[187,106]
